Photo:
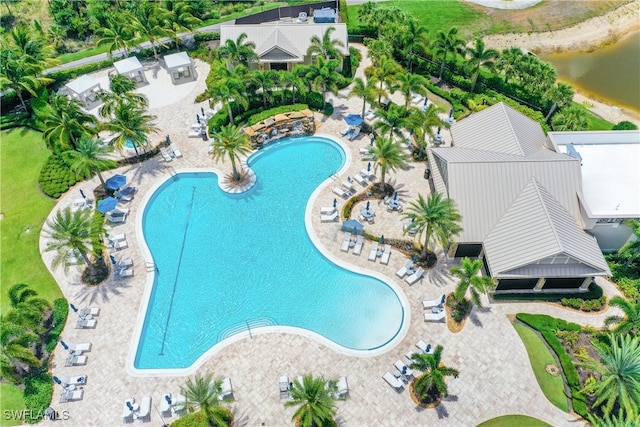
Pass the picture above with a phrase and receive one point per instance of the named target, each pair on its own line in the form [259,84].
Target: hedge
[543,321]
[60,313]
[38,389]
[56,177]
[97,229]
[61,76]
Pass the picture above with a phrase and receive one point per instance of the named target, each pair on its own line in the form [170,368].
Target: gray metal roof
[83,84]
[276,46]
[127,65]
[175,60]
[499,129]
[536,227]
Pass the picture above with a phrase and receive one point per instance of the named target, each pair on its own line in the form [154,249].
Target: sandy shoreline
[586,36]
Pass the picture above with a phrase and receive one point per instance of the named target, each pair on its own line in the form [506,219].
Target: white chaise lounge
[402,367]
[144,413]
[327,210]
[357,249]
[226,389]
[384,259]
[437,302]
[342,388]
[393,381]
[435,317]
[415,276]
[345,242]
[373,253]
[403,270]
[329,218]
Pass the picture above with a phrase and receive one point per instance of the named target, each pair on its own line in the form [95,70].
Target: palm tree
[431,384]
[630,253]
[619,374]
[562,93]
[230,141]
[364,91]
[28,309]
[65,122]
[435,218]
[409,83]
[508,62]
[131,123]
[229,90]
[469,276]
[89,157]
[571,118]
[70,232]
[391,121]
[324,77]
[385,73]
[238,51]
[325,47]
[630,322]
[182,19]
[387,155]
[414,39]
[16,357]
[121,92]
[296,83]
[19,76]
[315,402]
[202,392]
[478,56]
[149,21]
[118,34]
[445,43]
[422,124]
[627,420]
[266,81]
[32,46]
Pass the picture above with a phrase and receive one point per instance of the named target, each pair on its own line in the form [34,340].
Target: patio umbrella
[369,167]
[439,130]
[113,259]
[129,406]
[352,226]
[56,380]
[202,111]
[415,259]
[354,120]
[451,113]
[116,181]
[73,307]
[335,202]
[404,370]
[82,194]
[64,345]
[198,118]
[107,204]
[382,239]
[167,140]
[167,398]
[395,196]
[368,204]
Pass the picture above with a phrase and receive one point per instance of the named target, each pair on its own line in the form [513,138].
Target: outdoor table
[367,213]
[86,316]
[70,387]
[394,205]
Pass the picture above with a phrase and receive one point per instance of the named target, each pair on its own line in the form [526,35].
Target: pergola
[180,68]
[132,68]
[85,90]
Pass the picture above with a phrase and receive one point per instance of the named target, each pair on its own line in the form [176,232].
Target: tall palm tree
[390,121]
[414,40]
[562,94]
[508,62]
[619,374]
[470,279]
[315,402]
[32,46]
[409,83]
[121,92]
[65,122]
[478,56]
[385,72]
[630,322]
[324,77]
[181,18]
[626,420]
[19,76]
[571,118]
[289,79]
[118,34]
[445,43]
[70,231]
[422,124]
[131,123]
[325,46]
[431,384]
[150,20]
[89,157]
[230,141]
[387,155]
[630,253]
[363,90]
[28,309]
[266,82]
[16,357]
[230,90]
[239,51]
[436,218]
[201,392]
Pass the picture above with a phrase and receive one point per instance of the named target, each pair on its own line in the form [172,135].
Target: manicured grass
[540,356]
[25,209]
[10,400]
[597,122]
[513,421]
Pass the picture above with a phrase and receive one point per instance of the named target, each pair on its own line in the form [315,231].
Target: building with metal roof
[521,203]
[84,89]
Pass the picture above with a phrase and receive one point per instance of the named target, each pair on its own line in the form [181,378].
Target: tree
[571,118]
[238,51]
[478,56]
[363,91]
[228,90]
[65,122]
[414,40]
[630,322]
[624,125]
[28,309]
[230,141]
[324,77]
[16,357]
[32,46]
[422,124]
[150,20]
[89,157]
[408,84]
[431,384]
[202,392]
[289,79]
[391,121]
[436,218]
[18,76]
[445,43]
[325,47]
[508,62]
[315,402]
[470,279]
[265,81]
[619,374]
[182,19]
[387,155]
[118,34]
[70,233]
[121,92]
[385,73]
[131,123]
[630,253]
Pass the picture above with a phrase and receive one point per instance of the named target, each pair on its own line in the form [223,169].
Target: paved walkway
[495,374]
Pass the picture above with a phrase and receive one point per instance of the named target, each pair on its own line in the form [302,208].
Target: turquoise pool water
[227,263]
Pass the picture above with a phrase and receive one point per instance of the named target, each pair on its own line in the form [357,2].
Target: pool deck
[495,375]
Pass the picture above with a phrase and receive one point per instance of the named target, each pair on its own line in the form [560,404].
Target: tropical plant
[88,158]
[149,20]
[18,76]
[363,90]
[121,92]
[431,384]
[130,122]
[408,84]
[478,56]
[296,83]
[16,357]
[571,118]
[445,43]
[508,62]
[629,323]
[422,124]
[230,141]
[32,46]
[182,19]
[414,40]
[28,309]
[324,77]
[64,122]
[385,73]
[238,51]
[118,34]
[228,90]
[266,82]
[618,369]
[391,121]
[470,279]
[202,392]
[325,47]
[315,402]
[387,155]
[435,218]
[630,253]
[69,232]
[628,420]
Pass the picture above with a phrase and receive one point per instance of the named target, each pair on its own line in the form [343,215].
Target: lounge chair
[327,210]
[329,218]
[361,180]
[435,317]
[363,151]
[437,302]
[348,184]
[71,395]
[165,154]
[402,367]
[124,262]
[345,131]
[179,405]
[415,276]
[74,360]
[122,244]
[123,197]
[367,174]
[124,272]
[355,132]
[176,151]
[165,405]
[357,248]
[127,414]
[77,380]
[393,381]
[116,218]
[416,98]
[370,115]
[384,259]
[403,270]
[144,413]
[194,134]
[340,192]
[424,347]
[346,242]
[116,237]
[373,253]
[81,348]
[342,388]
[227,390]
[86,324]
[283,383]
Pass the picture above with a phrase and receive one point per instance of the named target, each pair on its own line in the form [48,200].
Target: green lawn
[10,400]
[514,421]
[597,122]
[540,356]
[24,209]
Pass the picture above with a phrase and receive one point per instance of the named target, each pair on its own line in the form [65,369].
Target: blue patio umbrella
[167,398]
[202,111]
[352,226]
[73,307]
[107,204]
[64,345]
[382,239]
[369,167]
[198,118]
[129,406]
[354,119]
[451,113]
[82,194]
[113,259]
[56,380]
[167,140]
[439,130]
[443,298]
[116,181]
[335,202]
[415,259]
[395,196]
[368,204]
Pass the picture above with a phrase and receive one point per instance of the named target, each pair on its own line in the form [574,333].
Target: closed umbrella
[129,406]
[167,398]
[415,259]
[382,239]
[56,380]
[113,259]
[64,345]
[115,182]
[202,111]
[167,140]
[73,307]
[198,118]
[368,204]
[107,204]
[369,167]
[335,202]
[82,194]
[395,196]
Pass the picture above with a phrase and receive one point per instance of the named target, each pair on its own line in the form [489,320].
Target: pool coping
[150,279]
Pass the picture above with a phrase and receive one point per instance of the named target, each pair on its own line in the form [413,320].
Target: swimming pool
[230,263]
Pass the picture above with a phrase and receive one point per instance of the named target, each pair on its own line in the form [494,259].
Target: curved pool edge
[146,294]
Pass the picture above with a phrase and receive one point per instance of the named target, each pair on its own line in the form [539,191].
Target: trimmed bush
[60,313]
[97,228]
[56,177]
[38,389]
[542,322]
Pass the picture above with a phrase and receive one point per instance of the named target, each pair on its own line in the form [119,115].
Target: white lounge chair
[116,237]
[393,381]
[124,262]
[165,154]
[122,244]
[435,317]
[342,388]
[123,197]
[327,210]
[86,323]
[283,383]
[144,413]
[127,414]
[361,180]
[116,218]
[345,131]
[416,98]
[77,380]
[176,151]
[93,311]
[340,192]
[124,272]
[71,395]
[403,270]
[80,348]
[165,405]
[373,253]
[384,259]
[415,276]
[437,302]
[367,174]
[370,115]
[348,185]
[357,248]
[74,360]
[226,388]
[424,347]
[353,133]
[179,404]
[329,218]
[346,241]
[194,134]
[402,367]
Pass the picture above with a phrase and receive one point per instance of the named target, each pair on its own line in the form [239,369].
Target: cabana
[180,68]
[132,68]
[85,89]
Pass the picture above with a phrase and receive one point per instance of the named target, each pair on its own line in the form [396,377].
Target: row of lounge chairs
[284,387]
[402,372]
[413,275]
[376,252]
[117,215]
[70,384]
[168,154]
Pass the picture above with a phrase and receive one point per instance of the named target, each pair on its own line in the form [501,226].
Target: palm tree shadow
[440,274]
[104,292]
[473,316]
[442,412]
[340,421]
[143,171]
[239,419]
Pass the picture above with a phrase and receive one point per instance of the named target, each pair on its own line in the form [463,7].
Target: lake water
[611,74]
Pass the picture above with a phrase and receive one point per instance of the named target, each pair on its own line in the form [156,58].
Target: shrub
[204,37]
[624,125]
[60,313]
[542,322]
[38,389]
[62,76]
[314,100]
[97,228]
[56,177]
